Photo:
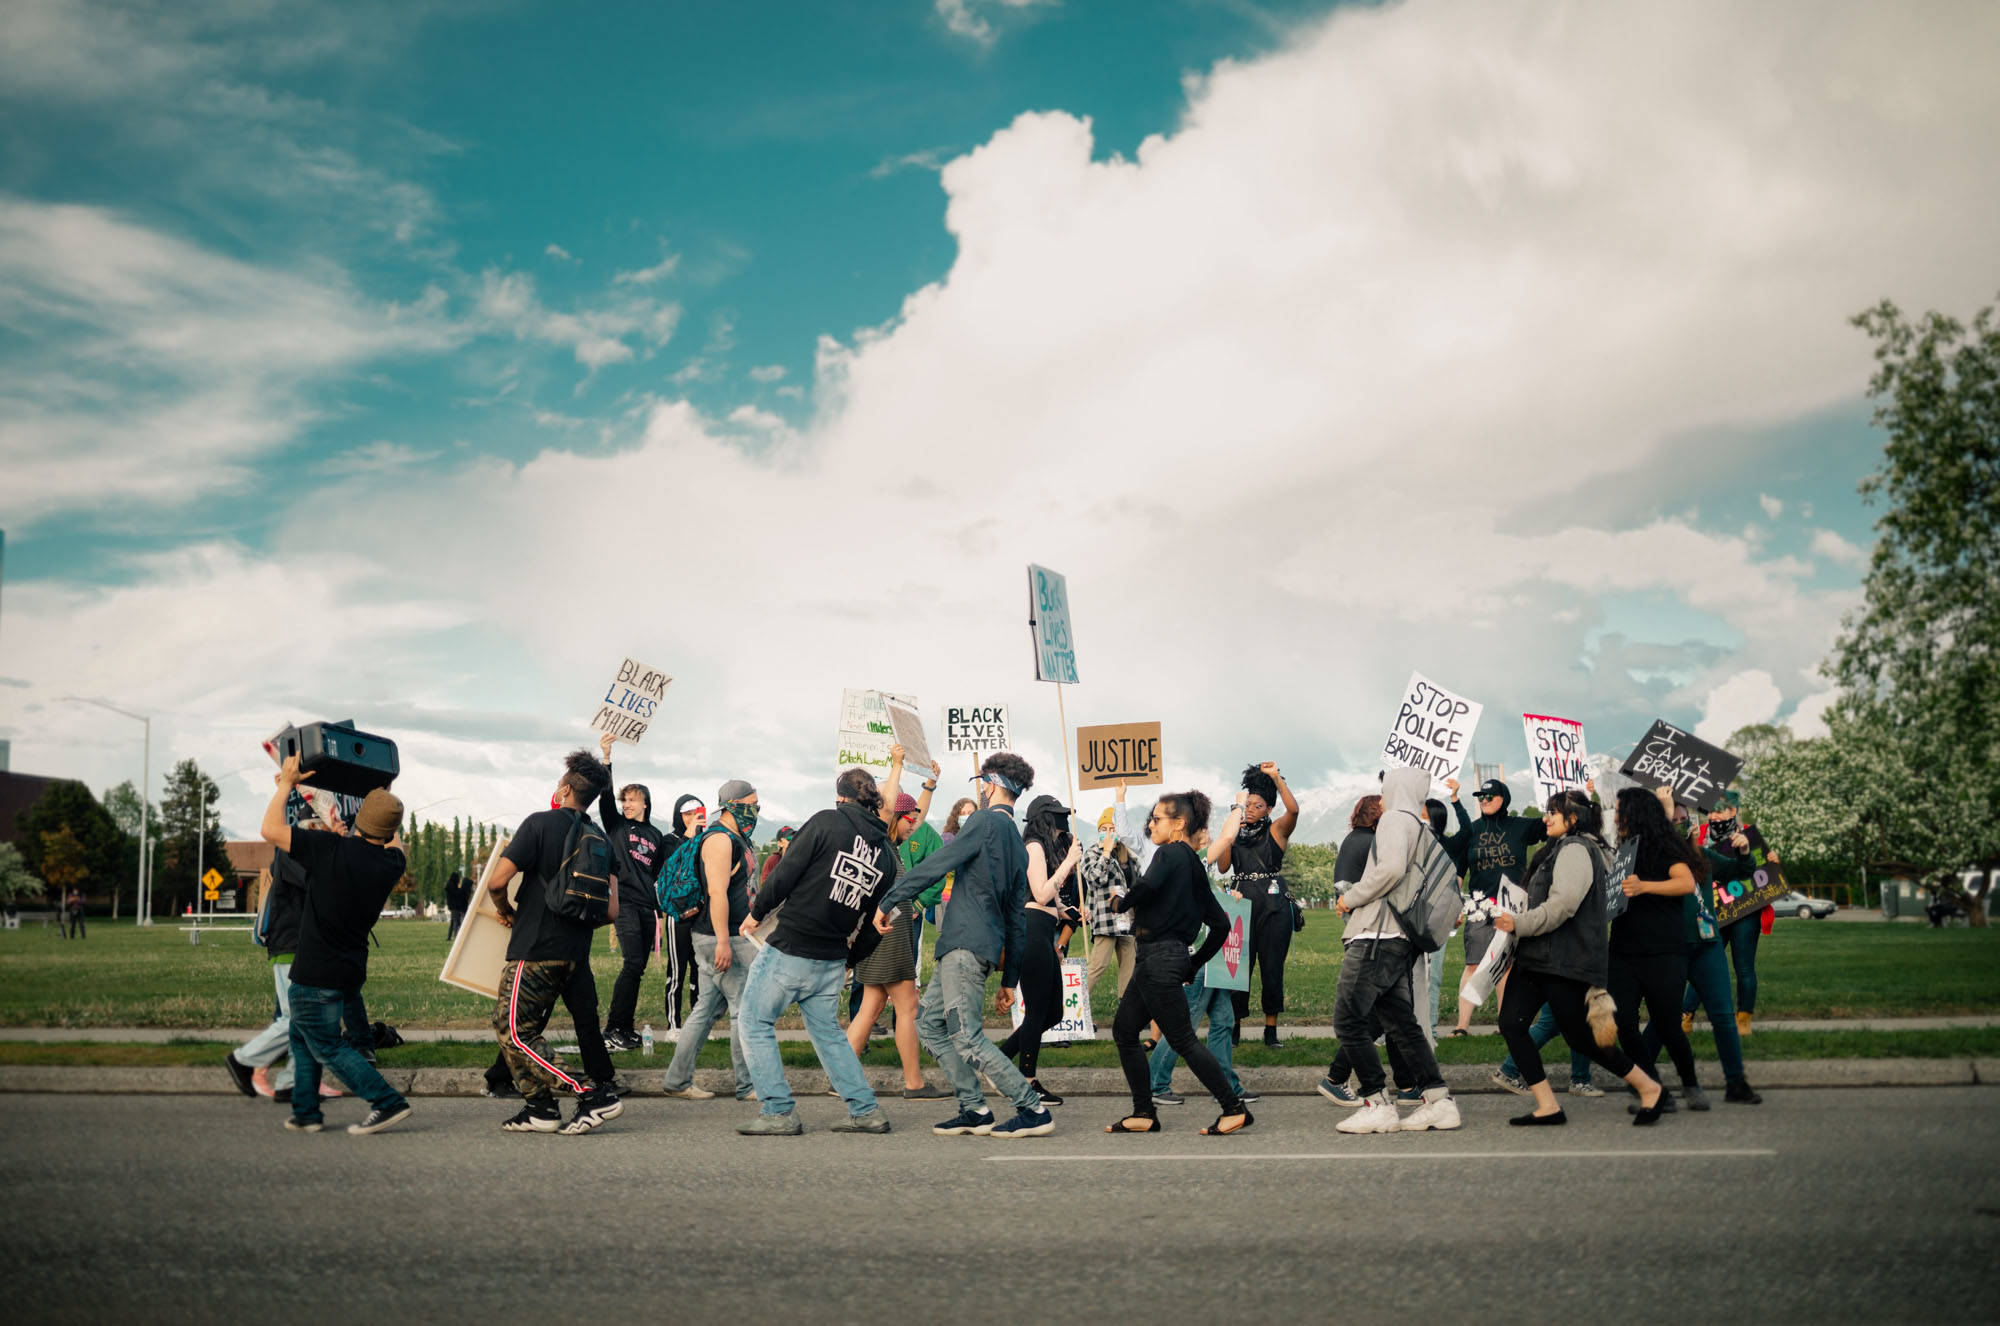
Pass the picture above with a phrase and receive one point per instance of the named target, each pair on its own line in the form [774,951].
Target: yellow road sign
[212,880]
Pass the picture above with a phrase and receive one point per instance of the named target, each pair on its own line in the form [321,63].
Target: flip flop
[1216,1129]
[1152,1122]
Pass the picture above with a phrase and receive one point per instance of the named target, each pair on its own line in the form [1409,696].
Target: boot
[1694,1096]
[1687,1024]
[1742,1024]
[1739,1092]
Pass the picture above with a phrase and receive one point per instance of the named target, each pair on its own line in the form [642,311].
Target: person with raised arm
[1255,853]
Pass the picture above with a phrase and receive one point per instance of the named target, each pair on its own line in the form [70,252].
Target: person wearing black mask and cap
[638,850]
[1053,856]
[677,944]
[1491,848]
[1253,844]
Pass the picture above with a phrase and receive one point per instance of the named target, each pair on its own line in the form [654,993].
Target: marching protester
[1493,848]
[1107,869]
[1349,864]
[1049,842]
[1649,940]
[677,941]
[1170,905]
[1255,853]
[277,929]
[723,862]
[915,839]
[887,975]
[548,958]
[1202,1002]
[1727,849]
[1375,989]
[638,850]
[346,880]
[985,927]
[827,884]
[1559,955]
[457,898]
[1708,983]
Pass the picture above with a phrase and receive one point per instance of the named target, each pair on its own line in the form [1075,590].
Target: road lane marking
[1754,1153]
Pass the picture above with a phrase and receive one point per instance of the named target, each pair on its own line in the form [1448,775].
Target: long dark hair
[1191,808]
[1047,823]
[1641,819]
[1582,813]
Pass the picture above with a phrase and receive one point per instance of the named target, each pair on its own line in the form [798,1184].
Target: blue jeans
[1741,937]
[317,1044]
[950,1024]
[1542,1033]
[1221,1011]
[1708,987]
[777,980]
[718,989]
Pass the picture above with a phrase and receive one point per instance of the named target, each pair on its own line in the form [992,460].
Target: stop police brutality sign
[1433,730]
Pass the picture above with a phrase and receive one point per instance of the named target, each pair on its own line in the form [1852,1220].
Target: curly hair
[1192,809]
[1366,812]
[1011,767]
[1641,817]
[1260,784]
[585,776]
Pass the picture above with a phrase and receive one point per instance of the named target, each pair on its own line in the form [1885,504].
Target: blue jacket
[986,915]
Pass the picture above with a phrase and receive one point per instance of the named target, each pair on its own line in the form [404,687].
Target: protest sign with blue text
[1048,620]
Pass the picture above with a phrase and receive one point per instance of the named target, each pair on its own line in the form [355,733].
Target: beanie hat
[905,804]
[380,816]
[1106,821]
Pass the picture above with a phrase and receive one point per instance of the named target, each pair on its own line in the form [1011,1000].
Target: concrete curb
[1463,1079]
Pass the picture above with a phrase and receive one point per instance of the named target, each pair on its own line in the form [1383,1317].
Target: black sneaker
[1271,1041]
[377,1120]
[966,1123]
[1249,1097]
[537,1116]
[283,1095]
[593,1107]
[239,1073]
[927,1092]
[1739,1092]
[1048,1097]
[1169,1097]
[505,1091]
[619,1042]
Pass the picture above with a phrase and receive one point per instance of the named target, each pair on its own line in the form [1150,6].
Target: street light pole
[145,881]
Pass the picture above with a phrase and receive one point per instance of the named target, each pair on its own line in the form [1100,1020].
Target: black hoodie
[1495,845]
[638,850]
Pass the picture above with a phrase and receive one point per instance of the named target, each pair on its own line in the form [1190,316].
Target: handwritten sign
[866,731]
[1048,620]
[1118,752]
[1230,968]
[1076,1024]
[1555,754]
[1433,730]
[630,701]
[1682,763]
[909,730]
[1738,898]
[975,727]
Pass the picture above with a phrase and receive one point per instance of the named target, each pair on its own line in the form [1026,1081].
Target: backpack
[579,889]
[680,891]
[1425,901]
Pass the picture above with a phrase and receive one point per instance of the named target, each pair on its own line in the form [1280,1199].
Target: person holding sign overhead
[1252,844]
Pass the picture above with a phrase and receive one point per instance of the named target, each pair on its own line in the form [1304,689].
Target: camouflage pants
[528,994]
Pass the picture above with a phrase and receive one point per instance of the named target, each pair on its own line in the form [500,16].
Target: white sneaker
[1438,1111]
[1375,1116]
[688,1092]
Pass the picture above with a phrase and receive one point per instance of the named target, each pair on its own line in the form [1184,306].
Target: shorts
[1478,938]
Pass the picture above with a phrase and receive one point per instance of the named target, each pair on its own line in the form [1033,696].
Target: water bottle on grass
[646,1039]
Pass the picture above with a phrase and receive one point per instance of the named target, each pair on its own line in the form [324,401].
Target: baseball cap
[1492,787]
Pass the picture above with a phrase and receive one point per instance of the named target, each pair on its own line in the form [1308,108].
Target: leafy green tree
[17,882]
[105,853]
[1833,805]
[190,837]
[63,864]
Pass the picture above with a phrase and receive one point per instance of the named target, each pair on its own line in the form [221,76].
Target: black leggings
[1527,991]
[1041,992]
[1270,941]
[1156,993]
[1660,979]
[634,928]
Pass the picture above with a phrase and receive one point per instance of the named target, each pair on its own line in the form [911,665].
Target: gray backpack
[1425,901]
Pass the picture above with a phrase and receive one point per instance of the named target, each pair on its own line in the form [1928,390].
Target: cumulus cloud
[613,330]
[1746,698]
[1773,507]
[1826,543]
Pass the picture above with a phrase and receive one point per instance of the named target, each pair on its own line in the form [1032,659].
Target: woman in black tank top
[1252,845]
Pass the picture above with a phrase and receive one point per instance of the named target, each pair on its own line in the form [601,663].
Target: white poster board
[1433,730]
[1556,756]
[866,732]
[909,730]
[1048,619]
[628,704]
[1478,983]
[479,954]
[975,727]
[1076,1024]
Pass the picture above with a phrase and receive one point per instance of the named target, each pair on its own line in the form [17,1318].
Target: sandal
[1460,1031]
[1152,1122]
[1217,1130]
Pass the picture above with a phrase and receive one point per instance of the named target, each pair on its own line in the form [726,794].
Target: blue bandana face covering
[746,816]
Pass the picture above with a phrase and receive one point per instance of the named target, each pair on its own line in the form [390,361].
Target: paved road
[1820,1205]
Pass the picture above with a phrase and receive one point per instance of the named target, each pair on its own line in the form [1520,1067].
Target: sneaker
[1049,1098]
[1339,1093]
[327,1090]
[505,1091]
[282,1095]
[535,1117]
[1408,1095]
[1169,1097]
[966,1123]
[593,1108]
[750,1096]
[294,1125]
[239,1072]
[1695,1098]
[1271,1041]
[688,1092]
[1510,1082]
[1439,1112]
[377,1120]
[1250,1097]
[771,1125]
[1377,1115]
[260,1082]
[619,1042]
[1739,1092]
[872,1122]
[1588,1090]
[1025,1123]
[926,1092]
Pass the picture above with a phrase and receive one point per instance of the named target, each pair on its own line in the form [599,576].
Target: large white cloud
[1299,398]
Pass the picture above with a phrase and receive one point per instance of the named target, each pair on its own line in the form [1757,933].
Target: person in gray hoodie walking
[1375,965]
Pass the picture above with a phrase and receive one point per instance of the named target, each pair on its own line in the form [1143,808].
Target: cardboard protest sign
[1433,730]
[975,727]
[1556,756]
[1118,752]
[1739,898]
[909,733]
[1230,969]
[630,701]
[479,953]
[866,732]
[1048,621]
[1076,1024]
[1683,763]
[1622,865]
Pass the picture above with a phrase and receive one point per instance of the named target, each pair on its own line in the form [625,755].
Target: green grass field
[122,976]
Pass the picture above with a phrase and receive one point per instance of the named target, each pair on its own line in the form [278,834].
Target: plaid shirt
[1101,874]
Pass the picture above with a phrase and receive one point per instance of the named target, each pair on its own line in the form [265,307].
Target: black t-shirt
[347,879]
[1651,922]
[739,882]
[541,935]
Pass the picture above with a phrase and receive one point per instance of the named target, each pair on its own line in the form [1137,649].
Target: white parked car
[398,913]
[1799,905]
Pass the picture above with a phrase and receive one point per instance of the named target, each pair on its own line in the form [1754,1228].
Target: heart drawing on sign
[1232,948]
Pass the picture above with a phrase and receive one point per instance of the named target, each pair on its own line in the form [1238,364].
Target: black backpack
[579,889]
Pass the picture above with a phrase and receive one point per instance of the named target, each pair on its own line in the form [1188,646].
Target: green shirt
[914,849]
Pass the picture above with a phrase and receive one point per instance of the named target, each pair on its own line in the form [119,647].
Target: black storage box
[341,759]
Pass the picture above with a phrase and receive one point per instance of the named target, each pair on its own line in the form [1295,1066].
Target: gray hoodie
[1397,837]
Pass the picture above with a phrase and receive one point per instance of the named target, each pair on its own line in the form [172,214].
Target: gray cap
[734,790]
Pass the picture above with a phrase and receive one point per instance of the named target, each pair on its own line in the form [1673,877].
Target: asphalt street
[1819,1205]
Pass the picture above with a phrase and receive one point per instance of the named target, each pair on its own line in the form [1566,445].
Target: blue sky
[419,361]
